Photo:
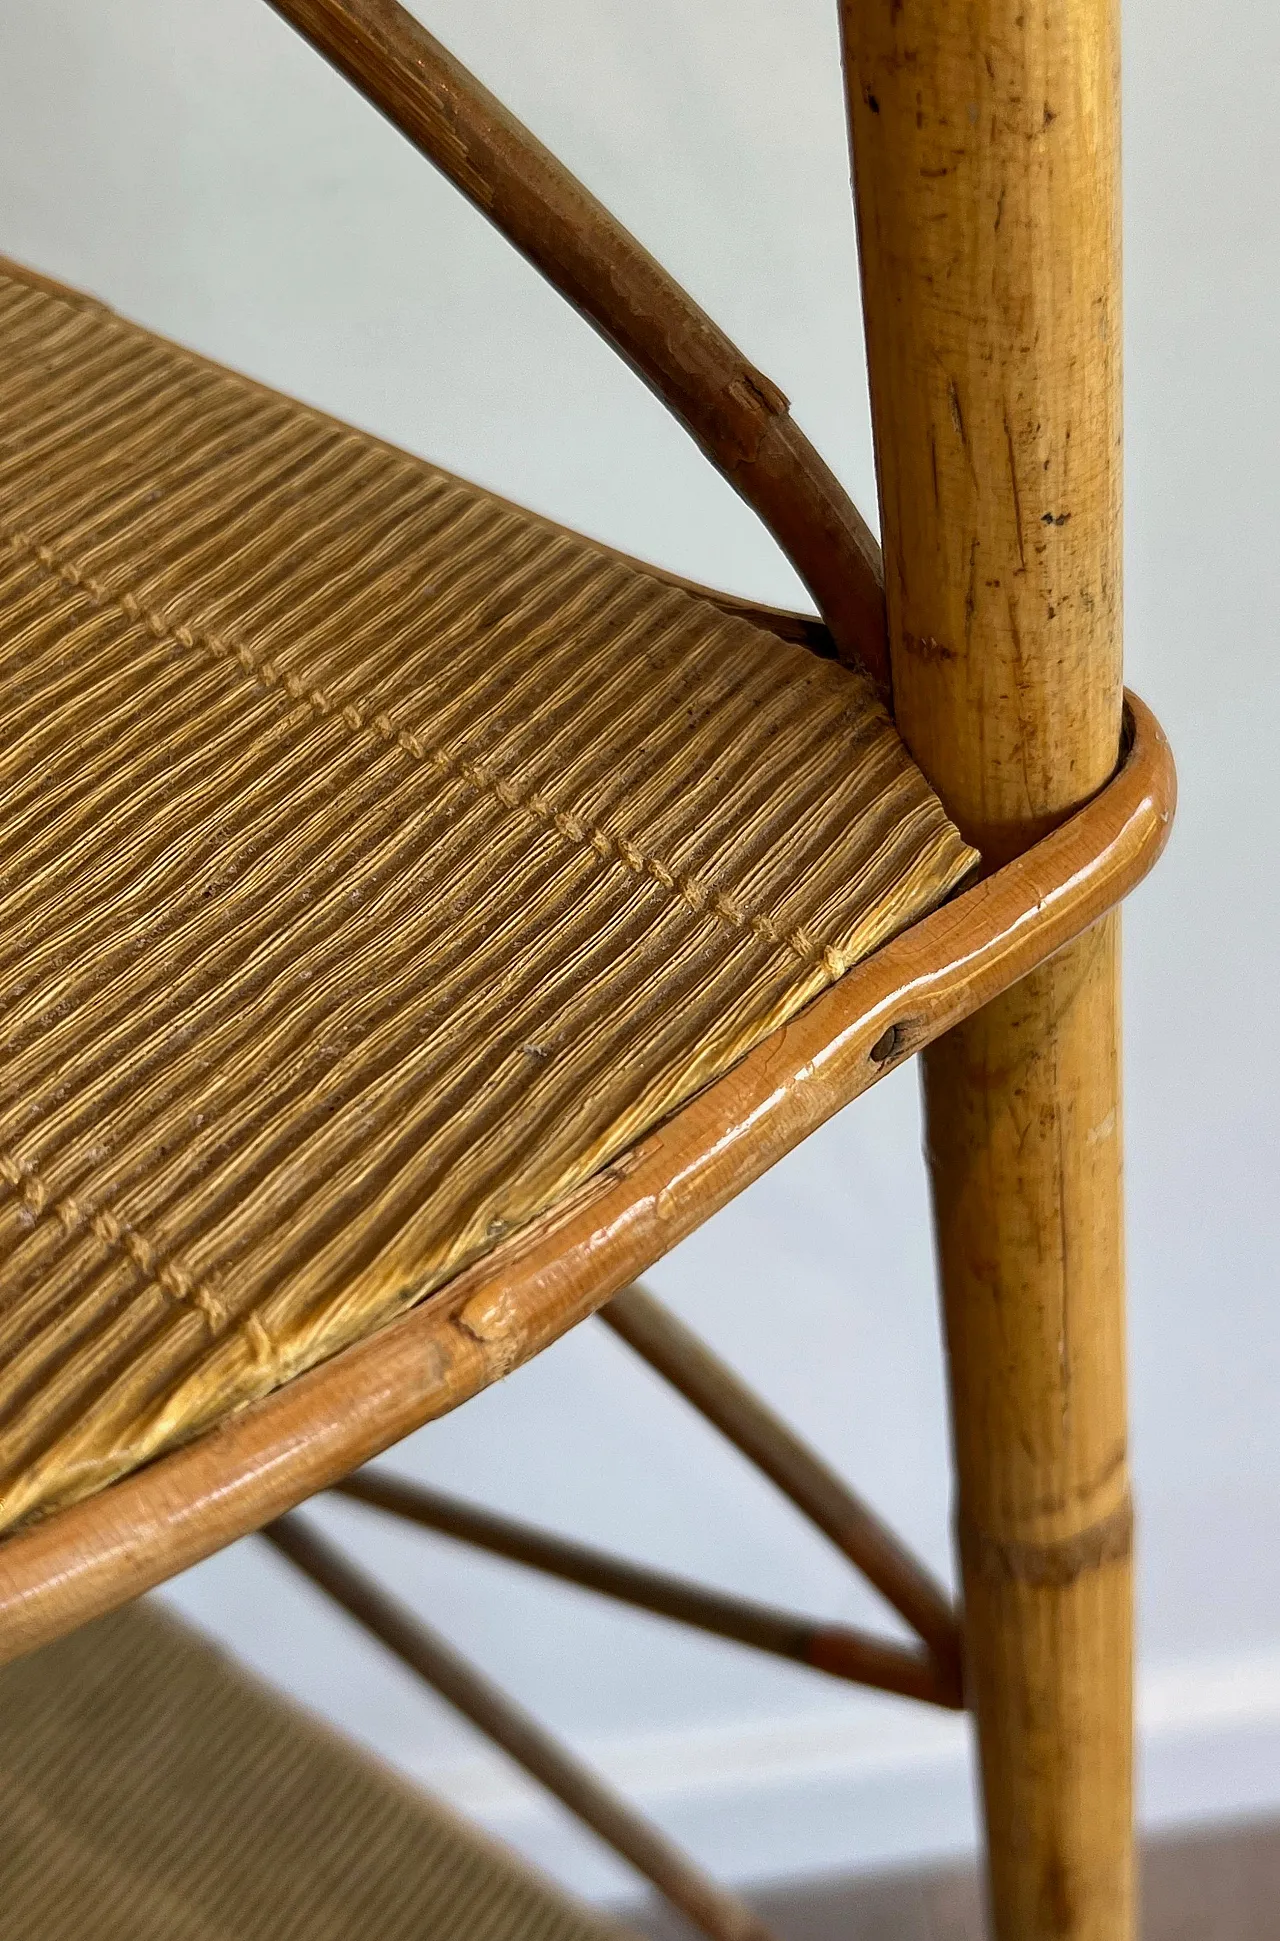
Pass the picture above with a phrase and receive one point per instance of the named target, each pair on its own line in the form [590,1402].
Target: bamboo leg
[985,149]
[1024,1143]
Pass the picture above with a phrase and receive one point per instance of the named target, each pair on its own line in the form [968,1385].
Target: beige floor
[1222,1884]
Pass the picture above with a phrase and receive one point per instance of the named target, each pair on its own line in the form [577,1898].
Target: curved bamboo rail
[509,1306]
[739,418]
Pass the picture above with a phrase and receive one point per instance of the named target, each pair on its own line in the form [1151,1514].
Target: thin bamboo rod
[986,157]
[739,418]
[836,1649]
[711,1909]
[825,1499]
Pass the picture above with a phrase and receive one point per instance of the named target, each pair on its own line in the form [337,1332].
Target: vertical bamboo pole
[986,161]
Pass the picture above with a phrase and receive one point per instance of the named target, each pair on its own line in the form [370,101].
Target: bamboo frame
[836,1649]
[987,170]
[986,175]
[94,1556]
[711,1908]
[931,1674]
[739,418]
[823,1497]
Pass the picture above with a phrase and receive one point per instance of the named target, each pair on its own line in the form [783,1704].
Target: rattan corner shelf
[415,918]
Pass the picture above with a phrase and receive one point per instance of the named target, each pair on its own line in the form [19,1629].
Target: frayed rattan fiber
[150,1791]
[376,862]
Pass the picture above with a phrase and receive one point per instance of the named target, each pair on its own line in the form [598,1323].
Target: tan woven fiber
[150,1791]
[376,861]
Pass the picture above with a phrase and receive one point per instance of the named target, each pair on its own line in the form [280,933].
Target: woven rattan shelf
[378,863]
[151,1791]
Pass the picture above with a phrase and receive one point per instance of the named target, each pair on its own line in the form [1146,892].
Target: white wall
[197,166]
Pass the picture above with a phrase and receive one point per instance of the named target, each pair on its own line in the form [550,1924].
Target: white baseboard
[880,1786]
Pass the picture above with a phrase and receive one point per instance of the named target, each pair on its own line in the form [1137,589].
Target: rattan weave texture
[376,861]
[150,1791]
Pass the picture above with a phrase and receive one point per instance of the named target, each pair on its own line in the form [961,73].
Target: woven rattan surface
[376,861]
[149,1791]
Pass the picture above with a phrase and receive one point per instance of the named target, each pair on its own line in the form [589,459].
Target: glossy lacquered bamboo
[837,1649]
[97,1554]
[711,1909]
[738,416]
[825,1498]
[986,160]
